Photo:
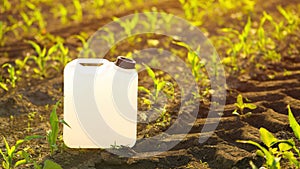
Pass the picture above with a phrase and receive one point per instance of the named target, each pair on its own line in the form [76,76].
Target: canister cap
[125,63]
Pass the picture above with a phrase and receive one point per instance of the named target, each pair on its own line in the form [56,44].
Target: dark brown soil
[220,151]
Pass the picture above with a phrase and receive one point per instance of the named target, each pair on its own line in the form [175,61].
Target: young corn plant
[276,149]
[52,134]
[97,5]
[159,86]
[193,60]
[167,18]
[292,19]
[128,25]
[85,50]
[12,157]
[6,6]
[21,64]
[164,119]
[152,19]
[3,30]
[11,154]
[40,20]
[60,12]
[41,58]
[12,74]
[78,11]
[240,106]
[28,20]
[62,56]
[193,10]
[2,84]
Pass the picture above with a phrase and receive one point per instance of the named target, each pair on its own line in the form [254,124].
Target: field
[258,43]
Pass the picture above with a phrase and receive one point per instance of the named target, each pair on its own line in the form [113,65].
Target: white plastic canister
[100,103]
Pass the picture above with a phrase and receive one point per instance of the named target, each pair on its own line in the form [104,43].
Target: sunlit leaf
[239,100]
[141,88]
[293,123]
[20,162]
[250,106]
[48,164]
[267,137]
[284,146]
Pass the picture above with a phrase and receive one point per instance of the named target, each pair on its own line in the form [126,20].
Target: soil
[220,151]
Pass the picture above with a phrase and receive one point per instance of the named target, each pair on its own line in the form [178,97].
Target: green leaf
[290,156]
[3,155]
[141,88]
[48,164]
[64,122]
[182,44]
[6,145]
[260,153]
[159,86]
[150,73]
[270,159]
[253,166]
[293,124]
[250,106]
[239,100]
[27,138]
[227,60]
[52,49]
[36,47]
[12,151]
[235,112]
[20,162]
[284,146]
[3,86]
[267,137]
[19,142]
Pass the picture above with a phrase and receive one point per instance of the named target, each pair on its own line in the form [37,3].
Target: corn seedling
[98,6]
[167,18]
[6,6]
[41,58]
[152,19]
[159,85]
[61,12]
[128,25]
[12,74]
[40,19]
[52,134]
[21,64]
[291,18]
[240,106]
[3,30]
[277,149]
[85,50]
[78,11]
[164,118]
[193,60]
[3,85]
[192,12]
[293,123]
[28,20]
[240,48]
[109,37]
[11,155]
[62,55]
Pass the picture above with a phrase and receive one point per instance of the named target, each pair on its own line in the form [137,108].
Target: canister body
[100,104]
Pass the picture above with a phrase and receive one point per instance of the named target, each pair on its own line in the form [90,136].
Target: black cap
[125,63]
